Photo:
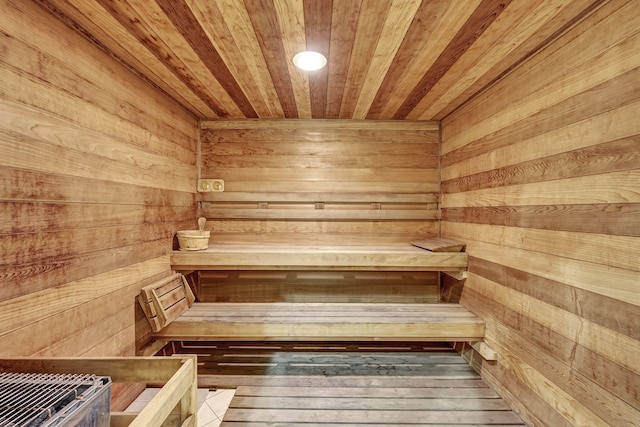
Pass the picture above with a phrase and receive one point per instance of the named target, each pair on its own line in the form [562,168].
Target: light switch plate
[210,185]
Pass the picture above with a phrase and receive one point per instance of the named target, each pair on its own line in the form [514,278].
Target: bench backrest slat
[165,300]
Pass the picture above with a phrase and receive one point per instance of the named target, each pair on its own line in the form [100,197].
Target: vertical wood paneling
[264,18]
[97,172]
[184,20]
[344,22]
[370,22]
[318,36]
[400,16]
[415,59]
[412,53]
[477,23]
[291,18]
[541,178]
[332,182]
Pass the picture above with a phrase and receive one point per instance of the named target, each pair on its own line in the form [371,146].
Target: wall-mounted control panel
[210,185]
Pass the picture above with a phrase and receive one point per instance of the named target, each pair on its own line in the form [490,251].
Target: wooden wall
[320,182]
[541,177]
[97,172]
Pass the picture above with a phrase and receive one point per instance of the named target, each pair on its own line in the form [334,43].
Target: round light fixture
[309,61]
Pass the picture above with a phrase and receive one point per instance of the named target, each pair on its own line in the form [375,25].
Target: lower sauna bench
[324,321]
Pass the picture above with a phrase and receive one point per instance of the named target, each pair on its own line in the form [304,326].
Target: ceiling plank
[426,19]
[399,18]
[232,36]
[373,14]
[291,18]
[533,36]
[238,20]
[446,25]
[317,23]
[344,22]
[138,27]
[481,19]
[184,20]
[508,32]
[265,23]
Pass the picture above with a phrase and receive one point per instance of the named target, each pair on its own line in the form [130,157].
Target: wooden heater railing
[175,404]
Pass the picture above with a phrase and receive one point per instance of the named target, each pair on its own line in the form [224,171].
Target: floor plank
[382,417]
[341,399]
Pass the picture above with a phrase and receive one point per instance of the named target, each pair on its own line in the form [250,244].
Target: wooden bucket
[193,240]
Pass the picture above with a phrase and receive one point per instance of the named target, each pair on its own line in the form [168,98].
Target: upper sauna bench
[397,257]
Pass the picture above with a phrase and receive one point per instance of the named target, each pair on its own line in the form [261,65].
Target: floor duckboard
[348,384]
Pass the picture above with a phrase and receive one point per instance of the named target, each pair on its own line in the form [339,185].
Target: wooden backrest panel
[165,300]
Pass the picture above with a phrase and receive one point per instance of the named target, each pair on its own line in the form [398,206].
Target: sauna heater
[30,400]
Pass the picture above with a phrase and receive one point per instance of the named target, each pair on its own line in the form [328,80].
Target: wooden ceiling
[387,59]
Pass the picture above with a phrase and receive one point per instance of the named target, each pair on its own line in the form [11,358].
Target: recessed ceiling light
[309,61]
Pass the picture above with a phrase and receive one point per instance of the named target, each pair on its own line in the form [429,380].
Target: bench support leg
[484,350]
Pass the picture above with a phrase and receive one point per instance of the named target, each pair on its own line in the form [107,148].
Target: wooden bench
[324,321]
[406,257]
[173,315]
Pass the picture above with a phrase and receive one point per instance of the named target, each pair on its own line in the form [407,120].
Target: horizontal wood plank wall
[541,178]
[97,172]
[318,286]
[320,182]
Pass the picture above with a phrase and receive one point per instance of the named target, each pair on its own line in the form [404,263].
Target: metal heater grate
[53,399]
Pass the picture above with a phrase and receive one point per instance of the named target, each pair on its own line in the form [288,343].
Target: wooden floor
[341,384]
